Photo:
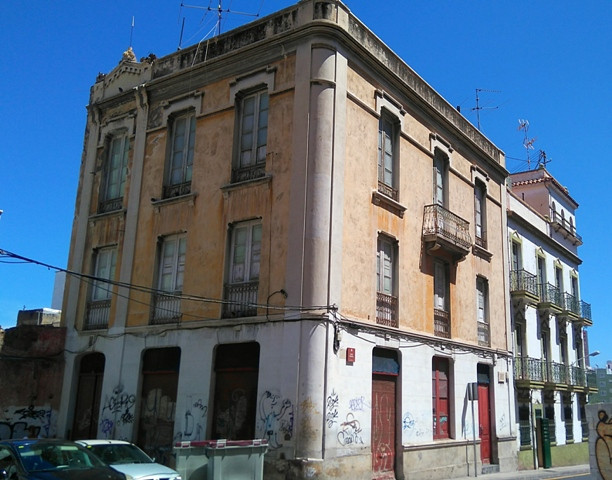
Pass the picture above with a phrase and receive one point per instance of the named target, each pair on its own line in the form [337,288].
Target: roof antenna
[527,142]
[220,11]
[132,31]
[478,108]
[543,159]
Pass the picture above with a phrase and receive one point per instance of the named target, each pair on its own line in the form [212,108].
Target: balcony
[166,308]
[442,323]
[524,287]
[443,231]
[585,313]
[537,373]
[571,306]
[550,298]
[567,229]
[240,299]
[591,381]
[98,313]
[386,310]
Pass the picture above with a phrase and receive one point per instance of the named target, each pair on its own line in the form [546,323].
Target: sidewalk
[558,472]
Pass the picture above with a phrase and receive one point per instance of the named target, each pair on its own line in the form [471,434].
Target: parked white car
[127,458]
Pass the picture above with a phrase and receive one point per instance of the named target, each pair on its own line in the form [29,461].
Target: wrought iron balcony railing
[524,283]
[166,308]
[98,313]
[481,240]
[388,190]
[110,205]
[446,230]
[386,310]
[442,326]
[585,311]
[571,304]
[251,172]
[177,189]
[241,299]
[541,371]
[550,295]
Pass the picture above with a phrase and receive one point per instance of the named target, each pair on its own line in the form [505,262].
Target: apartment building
[549,318]
[287,234]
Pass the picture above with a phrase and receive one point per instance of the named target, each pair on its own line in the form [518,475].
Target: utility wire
[143,289]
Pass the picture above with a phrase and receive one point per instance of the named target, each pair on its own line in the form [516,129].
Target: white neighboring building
[548,314]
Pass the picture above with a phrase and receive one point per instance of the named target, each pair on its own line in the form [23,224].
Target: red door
[383,425]
[484,422]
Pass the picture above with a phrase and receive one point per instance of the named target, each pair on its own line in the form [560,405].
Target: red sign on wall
[350,355]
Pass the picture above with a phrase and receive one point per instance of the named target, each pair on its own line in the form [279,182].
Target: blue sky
[548,62]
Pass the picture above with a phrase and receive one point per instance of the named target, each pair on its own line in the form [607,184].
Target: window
[115,173]
[559,278]
[243,275]
[480,216]
[440,179]
[180,156]
[440,373]
[387,157]
[563,343]
[516,256]
[482,311]
[171,268]
[98,308]
[252,137]
[386,298]
[441,300]
[541,278]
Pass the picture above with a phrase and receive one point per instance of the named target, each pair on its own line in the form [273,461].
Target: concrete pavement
[581,471]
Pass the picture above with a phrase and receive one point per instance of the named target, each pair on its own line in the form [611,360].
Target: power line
[143,289]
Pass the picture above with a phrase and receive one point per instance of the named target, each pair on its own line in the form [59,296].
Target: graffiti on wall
[276,415]
[603,445]
[30,421]
[117,410]
[349,432]
[331,410]
[194,421]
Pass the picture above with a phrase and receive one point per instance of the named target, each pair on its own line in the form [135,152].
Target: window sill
[254,181]
[388,203]
[481,252]
[160,202]
[100,215]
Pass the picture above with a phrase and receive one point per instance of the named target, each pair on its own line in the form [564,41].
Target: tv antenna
[543,159]
[527,142]
[220,11]
[478,108]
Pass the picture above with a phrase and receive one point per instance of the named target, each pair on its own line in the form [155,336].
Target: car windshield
[117,454]
[37,457]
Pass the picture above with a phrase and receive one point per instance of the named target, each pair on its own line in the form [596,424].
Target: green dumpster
[221,459]
[544,442]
